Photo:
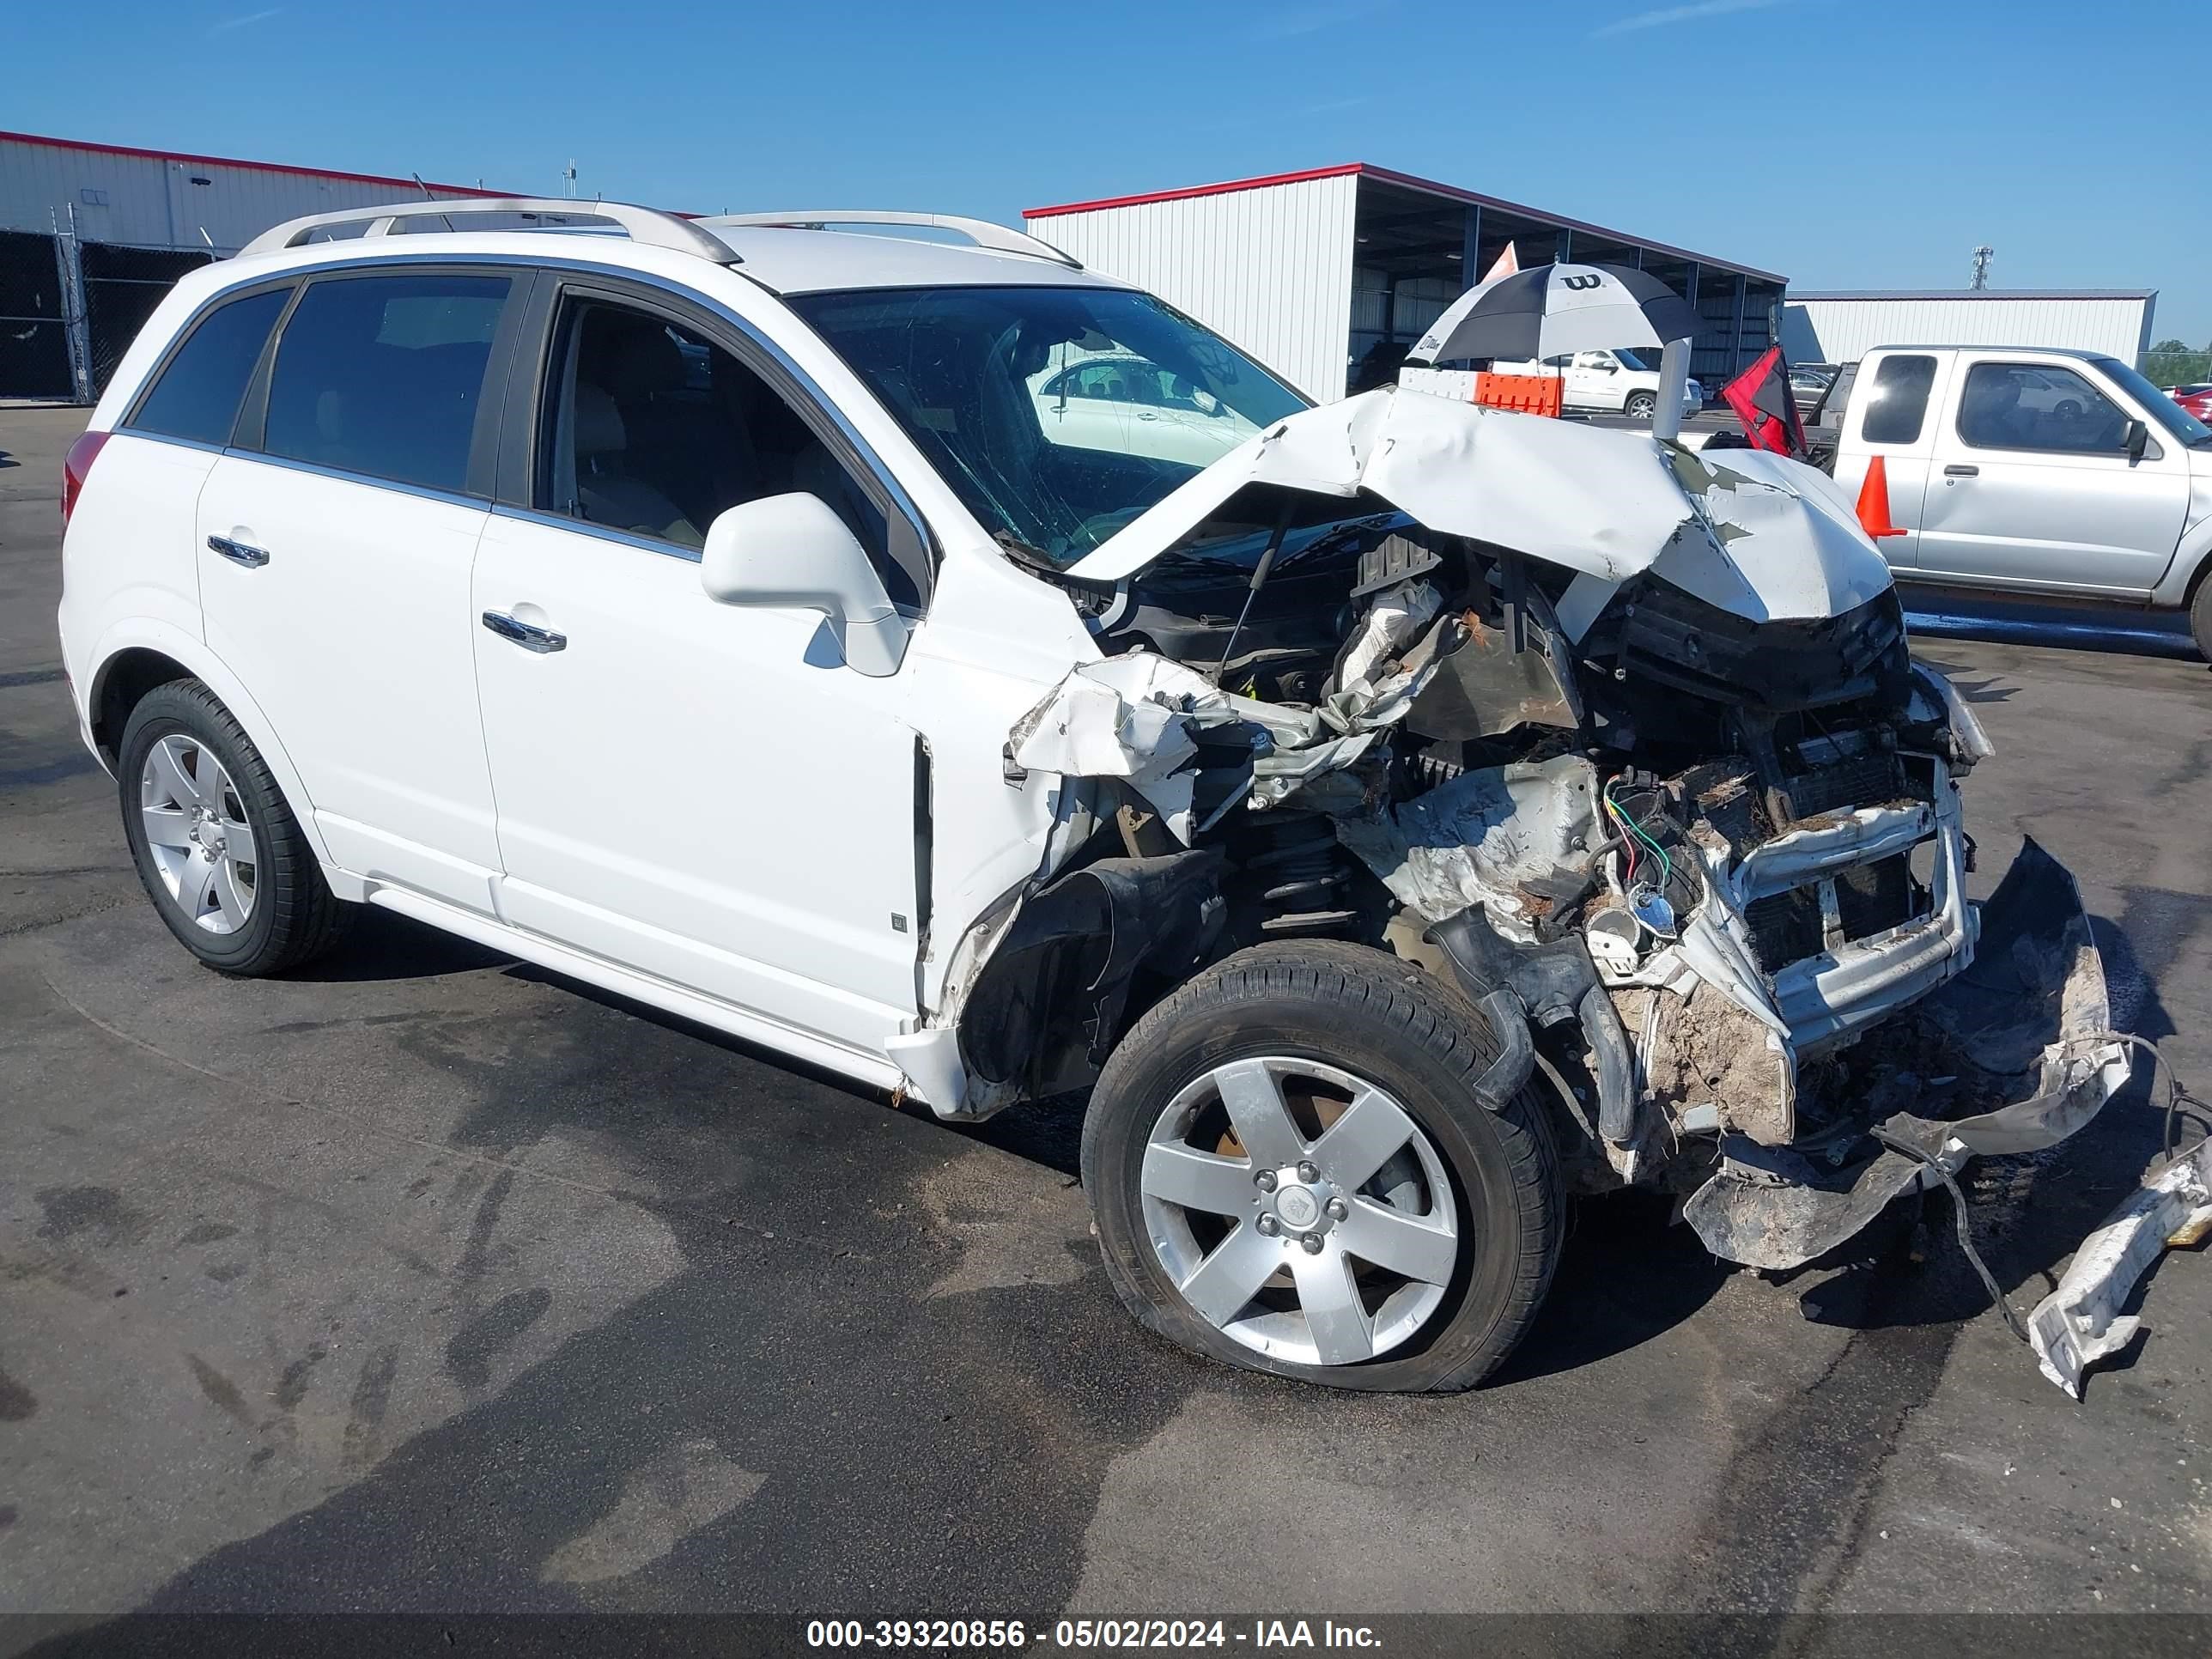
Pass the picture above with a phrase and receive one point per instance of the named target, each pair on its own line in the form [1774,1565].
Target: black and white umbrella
[1552,310]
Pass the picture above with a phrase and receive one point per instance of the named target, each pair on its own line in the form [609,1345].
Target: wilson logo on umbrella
[1555,309]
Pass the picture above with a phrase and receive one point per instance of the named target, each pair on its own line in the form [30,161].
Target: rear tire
[1640,406]
[2200,615]
[218,850]
[1315,1021]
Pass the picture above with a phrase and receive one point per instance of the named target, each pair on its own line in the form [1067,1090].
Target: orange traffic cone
[1874,501]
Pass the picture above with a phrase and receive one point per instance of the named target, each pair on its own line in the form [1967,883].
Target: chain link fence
[122,286]
[2172,363]
[34,352]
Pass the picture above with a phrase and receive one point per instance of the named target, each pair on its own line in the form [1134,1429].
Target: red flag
[1505,265]
[1762,400]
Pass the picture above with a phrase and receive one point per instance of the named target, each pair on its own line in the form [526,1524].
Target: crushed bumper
[2014,1046]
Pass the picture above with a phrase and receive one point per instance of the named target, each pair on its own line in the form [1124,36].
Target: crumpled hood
[1763,536]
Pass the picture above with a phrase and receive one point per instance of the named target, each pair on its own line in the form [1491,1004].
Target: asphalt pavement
[423,1278]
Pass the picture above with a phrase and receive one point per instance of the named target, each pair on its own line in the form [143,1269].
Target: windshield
[1056,415]
[2159,407]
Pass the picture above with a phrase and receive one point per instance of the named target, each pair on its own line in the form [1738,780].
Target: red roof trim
[232,161]
[1188,190]
[1405,180]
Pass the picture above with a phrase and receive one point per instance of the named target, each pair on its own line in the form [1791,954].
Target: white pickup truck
[1608,382]
[2030,471]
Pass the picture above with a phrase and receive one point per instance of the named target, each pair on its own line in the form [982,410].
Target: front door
[699,792]
[2035,487]
[334,543]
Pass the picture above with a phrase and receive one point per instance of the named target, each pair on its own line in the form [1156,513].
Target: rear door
[157,460]
[335,540]
[1893,415]
[2036,488]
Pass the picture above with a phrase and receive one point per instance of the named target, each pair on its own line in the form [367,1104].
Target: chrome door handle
[530,638]
[1962,472]
[239,552]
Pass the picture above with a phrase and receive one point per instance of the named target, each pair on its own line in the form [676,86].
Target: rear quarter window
[197,393]
[383,375]
[1897,400]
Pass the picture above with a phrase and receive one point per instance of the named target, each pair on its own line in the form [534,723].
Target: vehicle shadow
[2028,1213]
[1972,684]
[1627,1274]
[385,946]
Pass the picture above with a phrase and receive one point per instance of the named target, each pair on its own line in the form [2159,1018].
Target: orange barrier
[1525,394]
[1874,501]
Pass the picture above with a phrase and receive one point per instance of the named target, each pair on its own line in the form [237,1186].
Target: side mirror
[794,553]
[2137,439]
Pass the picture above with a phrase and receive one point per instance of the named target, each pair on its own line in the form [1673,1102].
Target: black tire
[2200,615]
[294,916]
[1640,406]
[1385,1021]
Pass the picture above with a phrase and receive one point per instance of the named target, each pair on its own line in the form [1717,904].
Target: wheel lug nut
[1308,1174]
[1269,1226]
[1338,1209]
[1265,1181]
[1312,1242]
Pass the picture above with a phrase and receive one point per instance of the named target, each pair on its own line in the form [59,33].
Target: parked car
[1621,382]
[1809,383]
[1113,401]
[2195,398]
[1411,815]
[2031,471]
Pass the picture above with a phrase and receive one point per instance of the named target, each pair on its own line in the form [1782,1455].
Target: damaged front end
[1629,747]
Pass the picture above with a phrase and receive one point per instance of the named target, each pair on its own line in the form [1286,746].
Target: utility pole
[1983,255]
[569,178]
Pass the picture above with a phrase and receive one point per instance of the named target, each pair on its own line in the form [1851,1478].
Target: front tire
[216,847]
[2200,615]
[1640,406]
[1290,1173]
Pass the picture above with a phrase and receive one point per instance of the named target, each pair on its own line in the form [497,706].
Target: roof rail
[981,232]
[650,225]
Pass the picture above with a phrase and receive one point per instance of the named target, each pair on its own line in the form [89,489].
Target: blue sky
[1847,144]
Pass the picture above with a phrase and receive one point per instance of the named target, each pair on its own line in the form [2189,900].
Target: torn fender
[1052,995]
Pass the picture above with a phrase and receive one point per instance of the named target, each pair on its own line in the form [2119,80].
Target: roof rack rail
[981,232]
[650,225]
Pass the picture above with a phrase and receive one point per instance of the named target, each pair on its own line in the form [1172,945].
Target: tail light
[76,466]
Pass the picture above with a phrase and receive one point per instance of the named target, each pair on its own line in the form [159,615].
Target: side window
[2024,406]
[198,394]
[1897,400]
[653,431]
[383,375]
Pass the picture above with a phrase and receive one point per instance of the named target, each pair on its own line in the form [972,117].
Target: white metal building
[1319,273]
[92,236]
[1842,327]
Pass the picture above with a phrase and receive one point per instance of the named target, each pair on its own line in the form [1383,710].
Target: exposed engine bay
[1673,806]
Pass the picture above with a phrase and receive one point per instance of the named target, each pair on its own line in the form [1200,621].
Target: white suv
[1609,382]
[1399,815]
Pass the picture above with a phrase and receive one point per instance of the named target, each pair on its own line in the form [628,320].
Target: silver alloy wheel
[1336,1248]
[196,832]
[1640,406]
